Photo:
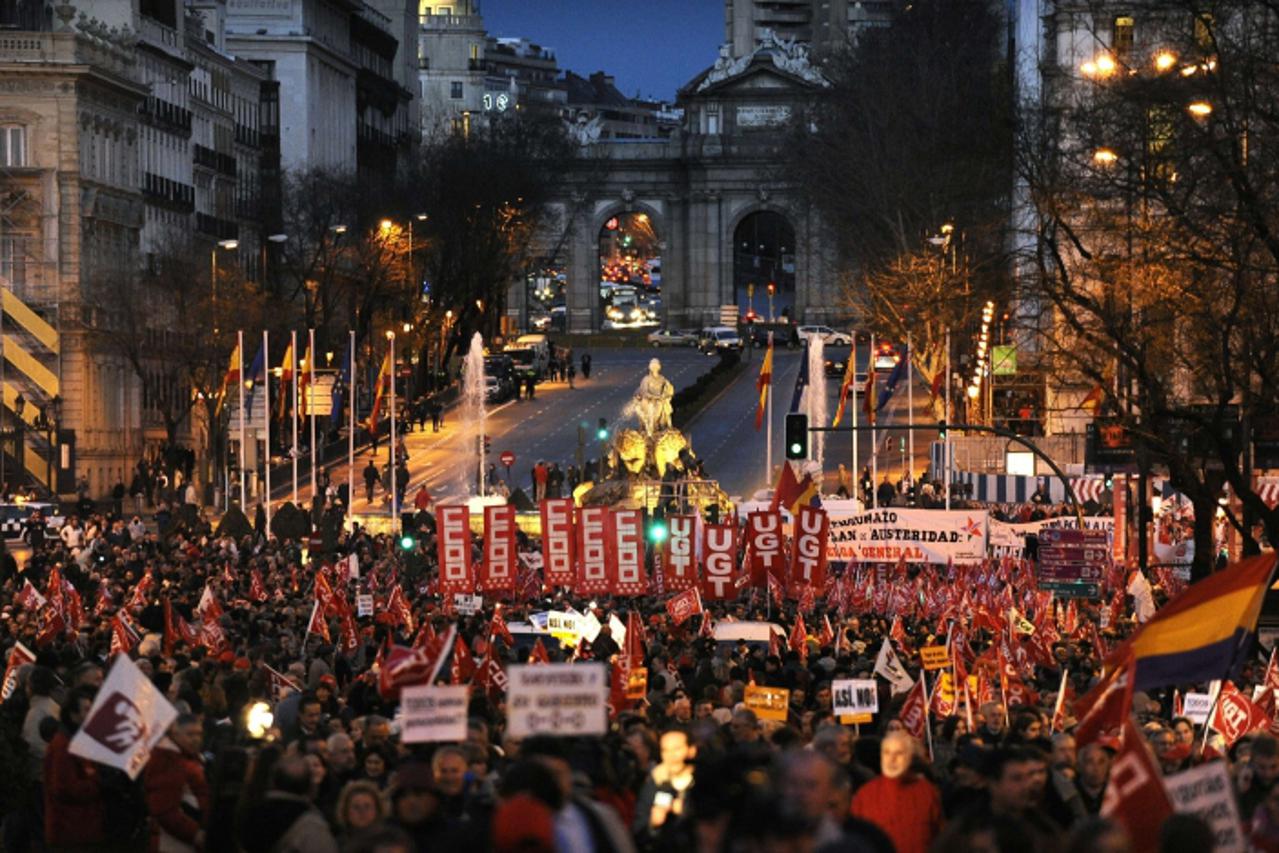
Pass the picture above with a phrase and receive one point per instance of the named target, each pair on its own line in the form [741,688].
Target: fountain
[814,402]
[473,413]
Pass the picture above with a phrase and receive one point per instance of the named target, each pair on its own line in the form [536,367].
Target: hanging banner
[592,550]
[558,542]
[1119,542]
[626,552]
[808,560]
[909,535]
[718,581]
[679,561]
[497,572]
[1008,540]
[767,549]
[453,531]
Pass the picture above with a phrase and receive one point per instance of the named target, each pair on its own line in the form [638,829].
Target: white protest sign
[588,626]
[854,696]
[467,605]
[125,721]
[1205,792]
[431,713]
[1195,707]
[557,699]
[364,605]
[563,626]
[890,535]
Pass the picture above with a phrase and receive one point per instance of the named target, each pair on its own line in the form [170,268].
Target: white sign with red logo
[808,564]
[19,656]
[592,550]
[558,541]
[891,535]
[498,569]
[626,552]
[1236,715]
[126,720]
[679,562]
[453,529]
[718,581]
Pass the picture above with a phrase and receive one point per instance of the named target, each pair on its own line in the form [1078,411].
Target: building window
[13,260]
[13,145]
[1121,40]
[455,90]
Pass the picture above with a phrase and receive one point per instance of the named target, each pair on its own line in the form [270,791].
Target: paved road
[543,428]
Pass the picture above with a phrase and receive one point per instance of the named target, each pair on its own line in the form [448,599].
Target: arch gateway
[706,214]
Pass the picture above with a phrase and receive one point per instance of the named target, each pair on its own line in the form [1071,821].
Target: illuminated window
[13,145]
[1121,40]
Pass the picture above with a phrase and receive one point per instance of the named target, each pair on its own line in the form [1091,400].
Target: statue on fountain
[652,401]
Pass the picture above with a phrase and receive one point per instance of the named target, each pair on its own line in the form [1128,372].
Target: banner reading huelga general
[913,535]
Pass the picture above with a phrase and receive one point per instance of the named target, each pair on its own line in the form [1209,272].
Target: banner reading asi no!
[914,535]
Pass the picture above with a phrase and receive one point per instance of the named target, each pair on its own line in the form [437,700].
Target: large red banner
[498,568]
[808,563]
[557,542]
[764,538]
[679,558]
[453,532]
[592,550]
[626,552]
[718,579]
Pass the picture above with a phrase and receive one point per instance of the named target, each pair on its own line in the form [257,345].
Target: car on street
[672,338]
[886,356]
[495,391]
[829,336]
[720,339]
[836,366]
[783,334]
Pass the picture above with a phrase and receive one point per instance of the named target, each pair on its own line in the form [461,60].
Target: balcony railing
[163,112]
[216,160]
[180,195]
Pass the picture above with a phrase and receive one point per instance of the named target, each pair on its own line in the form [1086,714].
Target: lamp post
[213,273]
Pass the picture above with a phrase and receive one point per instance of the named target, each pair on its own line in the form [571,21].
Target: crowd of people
[686,766]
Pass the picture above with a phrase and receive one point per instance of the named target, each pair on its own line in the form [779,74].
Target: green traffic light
[657,532]
[796,448]
[602,434]
[407,542]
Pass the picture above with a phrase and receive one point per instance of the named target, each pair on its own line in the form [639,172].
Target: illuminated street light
[385,225]
[1102,66]
[1104,156]
[1165,60]
[1199,109]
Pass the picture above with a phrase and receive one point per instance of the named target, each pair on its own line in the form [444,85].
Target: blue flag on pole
[890,384]
[339,389]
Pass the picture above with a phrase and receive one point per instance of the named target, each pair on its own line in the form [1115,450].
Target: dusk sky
[654,46]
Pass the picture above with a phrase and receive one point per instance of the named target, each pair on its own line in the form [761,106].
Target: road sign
[1072,562]
[507,458]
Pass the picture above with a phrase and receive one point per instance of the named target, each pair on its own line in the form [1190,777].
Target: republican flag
[764,383]
[381,386]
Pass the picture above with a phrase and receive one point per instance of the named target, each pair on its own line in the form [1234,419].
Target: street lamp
[213,272]
[1199,109]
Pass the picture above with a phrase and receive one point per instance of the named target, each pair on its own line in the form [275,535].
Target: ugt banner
[453,530]
[808,563]
[679,556]
[718,579]
[913,535]
[767,548]
[557,542]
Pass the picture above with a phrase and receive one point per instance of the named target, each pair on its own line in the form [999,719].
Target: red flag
[799,637]
[592,550]
[1135,794]
[491,678]
[1271,678]
[897,633]
[942,702]
[539,653]
[1103,709]
[808,562]
[462,669]
[124,637]
[828,633]
[29,597]
[398,606]
[684,605]
[257,589]
[281,684]
[1236,715]
[208,610]
[497,628]
[624,550]
[140,592]
[558,541]
[775,589]
[453,534]
[318,625]
[678,555]
[720,569]
[410,667]
[636,641]
[914,711]
[497,571]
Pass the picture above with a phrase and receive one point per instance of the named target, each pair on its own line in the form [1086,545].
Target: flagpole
[928,725]
[395,505]
[244,504]
[350,434]
[266,422]
[857,474]
[768,416]
[1061,696]
[947,449]
[293,374]
[910,409]
[310,406]
[873,404]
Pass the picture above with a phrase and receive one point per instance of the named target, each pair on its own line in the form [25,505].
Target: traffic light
[941,430]
[408,542]
[656,531]
[488,444]
[1110,480]
[772,288]
[602,432]
[796,436]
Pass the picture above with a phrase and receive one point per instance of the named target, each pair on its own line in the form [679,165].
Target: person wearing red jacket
[74,812]
[906,806]
[176,791]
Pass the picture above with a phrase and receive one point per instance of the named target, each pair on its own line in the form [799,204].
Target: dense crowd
[222,625]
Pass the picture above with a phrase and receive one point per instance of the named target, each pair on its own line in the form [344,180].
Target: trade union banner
[718,581]
[679,557]
[453,525]
[808,563]
[592,551]
[558,542]
[913,535]
[1007,540]
[765,542]
[625,552]
[498,569]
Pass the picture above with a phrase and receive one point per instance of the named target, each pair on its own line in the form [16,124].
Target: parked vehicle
[784,334]
[531,354]
[14,516]
[720,339]
[828,335]
[672,338]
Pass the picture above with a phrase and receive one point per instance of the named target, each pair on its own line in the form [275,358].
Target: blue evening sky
[654,46]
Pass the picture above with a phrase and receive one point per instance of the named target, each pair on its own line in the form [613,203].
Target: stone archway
[629,240]
[764,254]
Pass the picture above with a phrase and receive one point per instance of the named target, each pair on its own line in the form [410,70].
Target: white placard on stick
[1205,791]
[431,713]
[467,605]
[557,699]
[854,696]
[364,605]
[1195,707]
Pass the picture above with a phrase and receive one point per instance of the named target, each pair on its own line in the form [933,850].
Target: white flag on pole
[890,668]
[128,717]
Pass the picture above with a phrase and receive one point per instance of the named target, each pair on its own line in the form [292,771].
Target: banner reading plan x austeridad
[915,535]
